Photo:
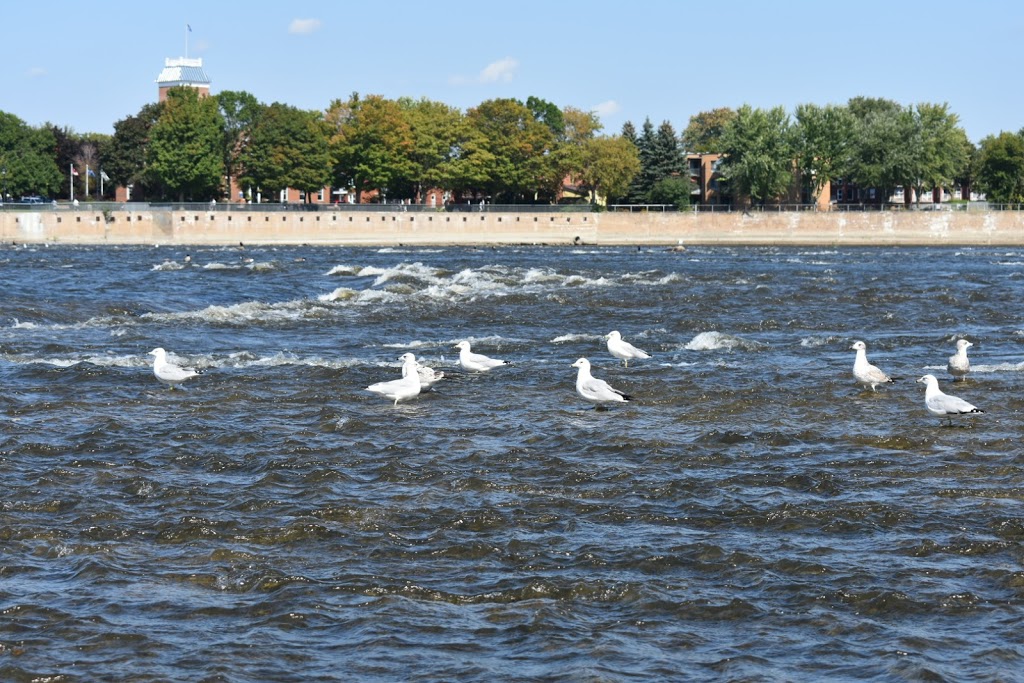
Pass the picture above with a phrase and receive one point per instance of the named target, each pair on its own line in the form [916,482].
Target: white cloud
[503,70]
[36,72]
[301,27]
[606,108]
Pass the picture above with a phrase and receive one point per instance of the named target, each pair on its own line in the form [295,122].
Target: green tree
[372,144]
[640,188]
[436,129]
[758,156]
[944,150]
[673,190]
[571,147]
[125,158]
[1001,168]
[27,158]
[822,141]
[667,157]
[287,148]
[517,162]
[703,135]
[239,111]
[887,150]
[609,166]
[547,113]
[185,145]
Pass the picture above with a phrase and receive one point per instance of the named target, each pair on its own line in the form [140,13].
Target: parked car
[33,199]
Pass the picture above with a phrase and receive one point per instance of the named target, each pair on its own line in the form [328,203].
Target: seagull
[944,405]
[593,389]
[400,389]
[623,350]
[474,361]
[428,376]
[864,372]
[168,373]
[958,365]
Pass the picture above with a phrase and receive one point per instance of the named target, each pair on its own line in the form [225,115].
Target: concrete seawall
[376,228]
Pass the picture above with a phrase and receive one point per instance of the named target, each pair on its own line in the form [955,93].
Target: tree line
[190,148]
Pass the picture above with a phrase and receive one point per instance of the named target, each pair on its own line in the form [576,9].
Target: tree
[239,111]
[185,145]
[1001,168]
[287,148]
[436,129]
[822,141]
[886,150]
[125,158]
[609,166]
[571,146]
[703,135]
[944,150]
[27,158]
[667,158]
[643,181]
[373,146]
[757,154]
[547,113]
[518,149]
[673,190]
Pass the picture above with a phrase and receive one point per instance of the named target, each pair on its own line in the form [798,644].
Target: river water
[752,515]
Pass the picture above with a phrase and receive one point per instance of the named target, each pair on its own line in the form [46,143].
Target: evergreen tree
[667,158]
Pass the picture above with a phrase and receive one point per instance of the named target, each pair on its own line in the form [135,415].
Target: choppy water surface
[753,515]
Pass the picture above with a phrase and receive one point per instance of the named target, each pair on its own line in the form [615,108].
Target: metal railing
[207,207]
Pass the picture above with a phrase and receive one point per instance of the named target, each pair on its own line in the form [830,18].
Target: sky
[85,66]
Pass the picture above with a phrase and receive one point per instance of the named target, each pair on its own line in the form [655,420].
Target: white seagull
[474,361]
[944,405]
[400,389]
[958,365]
[596,390]
[168,373]
[864,372]
[428,376]
[622,349]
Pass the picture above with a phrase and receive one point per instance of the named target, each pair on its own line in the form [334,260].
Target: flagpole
[101,183]
[186,41]
[87,182]
[71,181]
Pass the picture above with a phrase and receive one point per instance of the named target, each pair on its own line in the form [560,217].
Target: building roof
[183,71]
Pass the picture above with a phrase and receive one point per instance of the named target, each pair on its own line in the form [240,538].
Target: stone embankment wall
[375,228]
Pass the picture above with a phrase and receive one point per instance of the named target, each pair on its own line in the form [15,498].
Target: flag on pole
[74,171]
[104,177]
[189,27]
[91,172]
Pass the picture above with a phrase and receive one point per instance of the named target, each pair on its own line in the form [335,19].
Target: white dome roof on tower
[183,71]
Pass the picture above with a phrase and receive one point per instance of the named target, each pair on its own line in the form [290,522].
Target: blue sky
[87,65]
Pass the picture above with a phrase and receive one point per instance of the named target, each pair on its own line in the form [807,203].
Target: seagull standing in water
[593,389]
[428,376]
[864,372]
[168,373]
[475,362]
[622,349]
[944,405]
[400,389]
[958,365]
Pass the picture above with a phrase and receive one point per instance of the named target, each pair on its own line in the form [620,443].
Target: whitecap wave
[718,341]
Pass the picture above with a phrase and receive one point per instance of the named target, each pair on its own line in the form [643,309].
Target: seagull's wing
[873,374]
[951,405]
[598,388]
[174,373]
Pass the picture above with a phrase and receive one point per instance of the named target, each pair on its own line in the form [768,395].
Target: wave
[718,341]
[815,342]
